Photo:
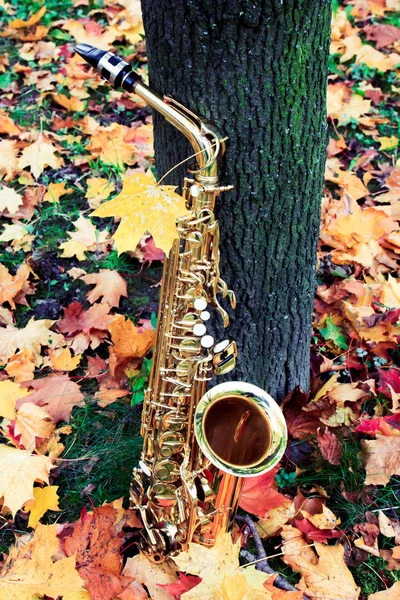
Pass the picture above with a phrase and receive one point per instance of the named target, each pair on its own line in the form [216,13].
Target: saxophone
[198,445]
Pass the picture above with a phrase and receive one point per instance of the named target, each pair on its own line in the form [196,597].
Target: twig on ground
[280,582]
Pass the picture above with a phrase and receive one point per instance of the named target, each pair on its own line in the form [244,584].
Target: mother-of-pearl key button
[205,315]
[199,329]
[200,304]
[207,341]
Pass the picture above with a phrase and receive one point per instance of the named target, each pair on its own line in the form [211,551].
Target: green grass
[100,454]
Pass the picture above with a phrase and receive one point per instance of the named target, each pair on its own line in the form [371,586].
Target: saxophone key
[189,347]
[170,443]
[167,471]
[224,358]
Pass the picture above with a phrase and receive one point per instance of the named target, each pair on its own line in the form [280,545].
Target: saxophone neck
[204,138]
[202,135]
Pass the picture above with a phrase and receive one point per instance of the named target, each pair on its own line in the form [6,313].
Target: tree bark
[258,70]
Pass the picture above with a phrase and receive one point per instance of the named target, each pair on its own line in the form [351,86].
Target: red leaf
[315,534]
[259,494]
[382,425]
[389,377]
[181,585]
[331,448]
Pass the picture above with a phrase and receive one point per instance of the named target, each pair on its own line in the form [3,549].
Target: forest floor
[73,356]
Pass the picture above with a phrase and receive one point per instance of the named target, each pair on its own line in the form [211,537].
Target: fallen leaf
[218,569]
[62,360]
[381,458]
[30,570]
[389,594]
[109,285]
[10,200]
[8,160]
[55,191]
[331,448]
[32,422]
[39,155]
[57,394]
[383,35]
[144,207]
[88,328]
[98,189]
[32,337]
[46,498]
[19,469]
[314,533]
[11,285]
[275,518]
[96,544]
[7,125]
[21,366]
[323,570]
[10,392]
[129,342]
[33,19]
[182,585]
[108,143]
[153,576]
[259,494]
[72,103]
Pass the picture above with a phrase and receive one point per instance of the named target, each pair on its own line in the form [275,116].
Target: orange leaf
[109,285]
[96,542]
[35,18]
[259,494]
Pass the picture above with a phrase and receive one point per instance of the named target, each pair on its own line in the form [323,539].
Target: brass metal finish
[198,445]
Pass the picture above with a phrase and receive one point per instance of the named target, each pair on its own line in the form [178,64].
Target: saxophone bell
[240,429]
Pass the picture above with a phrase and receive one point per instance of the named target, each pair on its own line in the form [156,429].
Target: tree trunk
[258,70]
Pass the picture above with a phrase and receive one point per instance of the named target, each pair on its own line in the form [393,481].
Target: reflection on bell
[224,359]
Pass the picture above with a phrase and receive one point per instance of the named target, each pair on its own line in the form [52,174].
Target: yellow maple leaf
[19,469]
[55,191]
[31,570]
[10,392]
[39,155]
[35,335]
[387,143]
[10,200]
[219,569]
[71,248]
[45,499]
[324,572]
[62,360]
[144,206]
[98,189]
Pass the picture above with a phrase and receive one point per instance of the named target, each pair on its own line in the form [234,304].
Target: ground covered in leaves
[77,324]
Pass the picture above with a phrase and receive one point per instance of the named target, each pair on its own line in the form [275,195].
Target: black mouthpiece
[112,68]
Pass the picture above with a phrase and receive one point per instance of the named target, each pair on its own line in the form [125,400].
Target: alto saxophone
[198,445]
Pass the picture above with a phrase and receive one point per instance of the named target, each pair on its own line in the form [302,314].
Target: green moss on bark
[258,70]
